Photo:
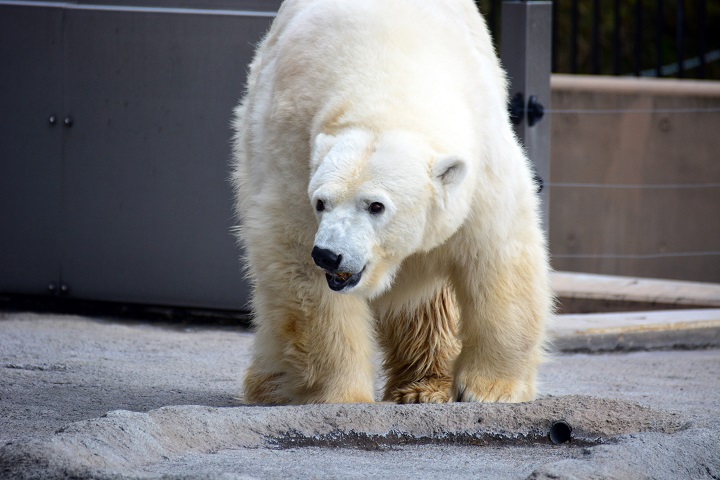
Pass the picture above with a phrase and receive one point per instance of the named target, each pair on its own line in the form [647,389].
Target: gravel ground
[101,399]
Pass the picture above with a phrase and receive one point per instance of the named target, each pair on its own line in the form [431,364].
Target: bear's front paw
[430,390]
[480,389]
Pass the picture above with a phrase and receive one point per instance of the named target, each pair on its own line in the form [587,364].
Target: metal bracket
[535,110]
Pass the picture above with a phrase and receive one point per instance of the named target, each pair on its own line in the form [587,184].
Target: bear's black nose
[326,259]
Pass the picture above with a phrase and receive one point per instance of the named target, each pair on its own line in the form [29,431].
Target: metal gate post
[526,56]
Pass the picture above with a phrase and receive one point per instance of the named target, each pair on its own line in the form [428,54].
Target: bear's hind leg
[420,344]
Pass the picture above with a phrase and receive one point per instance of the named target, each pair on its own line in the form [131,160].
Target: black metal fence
[658,38]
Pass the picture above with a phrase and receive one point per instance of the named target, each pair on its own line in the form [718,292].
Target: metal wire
[637,255]
[631,186]
[663,186]
[615,111]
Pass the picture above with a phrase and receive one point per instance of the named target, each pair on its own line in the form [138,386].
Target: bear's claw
[509,391]
[429,390]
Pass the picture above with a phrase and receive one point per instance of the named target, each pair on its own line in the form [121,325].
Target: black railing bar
[638,36]
[703,38]
[574,37]
[659,37]
[616,38]
[554,39]
[680,37]
[596,37]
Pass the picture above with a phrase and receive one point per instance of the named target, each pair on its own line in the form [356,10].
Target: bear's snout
[330,262]
[326,259]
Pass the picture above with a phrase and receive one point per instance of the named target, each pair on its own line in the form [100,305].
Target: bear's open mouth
[341,280]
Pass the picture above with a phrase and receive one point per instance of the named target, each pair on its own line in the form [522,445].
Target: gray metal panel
[30,148]
[253,5]
[147,203]
[526,55]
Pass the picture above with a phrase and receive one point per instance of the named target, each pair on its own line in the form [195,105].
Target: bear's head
[379,198]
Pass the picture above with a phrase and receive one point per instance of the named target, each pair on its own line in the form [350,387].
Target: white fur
[400,102]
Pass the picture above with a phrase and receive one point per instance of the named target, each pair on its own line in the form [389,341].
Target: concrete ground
[88,398]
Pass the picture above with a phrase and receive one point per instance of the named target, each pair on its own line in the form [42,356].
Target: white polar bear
[382,194]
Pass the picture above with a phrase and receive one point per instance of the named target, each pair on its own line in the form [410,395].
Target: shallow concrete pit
[133,442]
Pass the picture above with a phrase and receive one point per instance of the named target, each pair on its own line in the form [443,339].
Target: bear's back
[381,65]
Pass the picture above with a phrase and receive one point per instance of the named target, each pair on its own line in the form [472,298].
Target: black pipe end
[560,432]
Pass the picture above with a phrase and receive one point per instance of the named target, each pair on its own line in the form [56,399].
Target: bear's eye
[376,208]
[320,206]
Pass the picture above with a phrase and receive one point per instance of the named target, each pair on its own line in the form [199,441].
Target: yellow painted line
[650,328]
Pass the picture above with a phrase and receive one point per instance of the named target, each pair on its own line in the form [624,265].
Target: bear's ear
[450,171]
[321,146]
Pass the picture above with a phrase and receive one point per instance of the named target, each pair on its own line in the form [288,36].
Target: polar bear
[385,201]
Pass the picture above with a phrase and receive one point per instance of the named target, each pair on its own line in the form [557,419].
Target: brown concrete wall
[626,218]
